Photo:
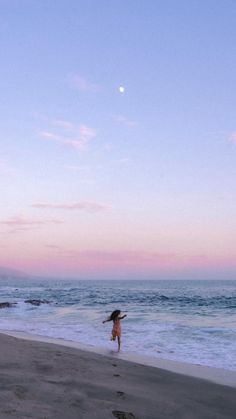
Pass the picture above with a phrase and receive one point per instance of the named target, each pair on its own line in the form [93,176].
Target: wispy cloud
[232,137]
[50,135]
[87,206]
[52,246]
[124,120]
[69,134]
[22,223]
[82,84]
[81,142]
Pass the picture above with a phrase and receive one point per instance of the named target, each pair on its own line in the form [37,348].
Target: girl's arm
[107,320]
[122,317]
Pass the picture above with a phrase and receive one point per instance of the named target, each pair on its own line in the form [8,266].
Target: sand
[45,380]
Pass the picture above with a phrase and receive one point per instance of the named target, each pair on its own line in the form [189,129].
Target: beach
[46,380]
[191,322]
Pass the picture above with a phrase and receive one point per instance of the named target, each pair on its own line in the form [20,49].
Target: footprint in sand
[20,392]
[123,415]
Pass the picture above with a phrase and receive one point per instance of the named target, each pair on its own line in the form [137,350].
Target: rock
[7,305]
[123,415]
[37,302]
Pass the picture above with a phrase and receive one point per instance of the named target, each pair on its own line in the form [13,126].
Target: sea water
[189,321]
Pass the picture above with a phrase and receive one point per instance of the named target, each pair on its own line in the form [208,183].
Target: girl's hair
[114,315]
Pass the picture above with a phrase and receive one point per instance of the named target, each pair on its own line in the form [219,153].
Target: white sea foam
[193,322]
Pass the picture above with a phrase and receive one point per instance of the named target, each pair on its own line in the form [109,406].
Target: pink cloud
[232,137]
[119,264]
[20,223]
[70,135]
[49,135]
[86,133]
[87,206]
[109,264]
[52,246]
[82,84]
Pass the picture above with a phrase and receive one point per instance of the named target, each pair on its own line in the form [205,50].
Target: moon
[121,89]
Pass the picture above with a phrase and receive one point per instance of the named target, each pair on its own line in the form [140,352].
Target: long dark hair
[114,315]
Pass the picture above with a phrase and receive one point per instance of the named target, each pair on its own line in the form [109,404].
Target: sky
[118,138]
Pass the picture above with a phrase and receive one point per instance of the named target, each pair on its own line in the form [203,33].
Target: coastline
[47,380]
[212,374]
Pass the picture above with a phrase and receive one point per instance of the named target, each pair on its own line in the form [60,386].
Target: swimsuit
[116,330]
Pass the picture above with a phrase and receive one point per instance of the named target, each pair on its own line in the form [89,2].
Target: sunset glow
[98,184]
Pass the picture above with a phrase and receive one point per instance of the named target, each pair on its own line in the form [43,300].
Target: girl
[116,330]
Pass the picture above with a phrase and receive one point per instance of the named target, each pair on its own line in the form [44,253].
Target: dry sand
[49,381]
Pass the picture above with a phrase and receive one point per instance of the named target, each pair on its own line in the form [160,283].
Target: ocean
[188,321]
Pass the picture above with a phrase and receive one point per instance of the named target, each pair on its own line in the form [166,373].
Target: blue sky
[99,183]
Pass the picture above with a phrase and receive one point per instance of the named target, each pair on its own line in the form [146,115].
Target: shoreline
[211,374]
[48,380]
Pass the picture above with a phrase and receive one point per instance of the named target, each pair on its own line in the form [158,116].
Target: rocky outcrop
[7,304]
[37,302]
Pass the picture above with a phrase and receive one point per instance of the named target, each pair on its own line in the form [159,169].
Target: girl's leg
[118,338]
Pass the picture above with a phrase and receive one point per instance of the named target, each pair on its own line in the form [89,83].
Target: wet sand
[45,380]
